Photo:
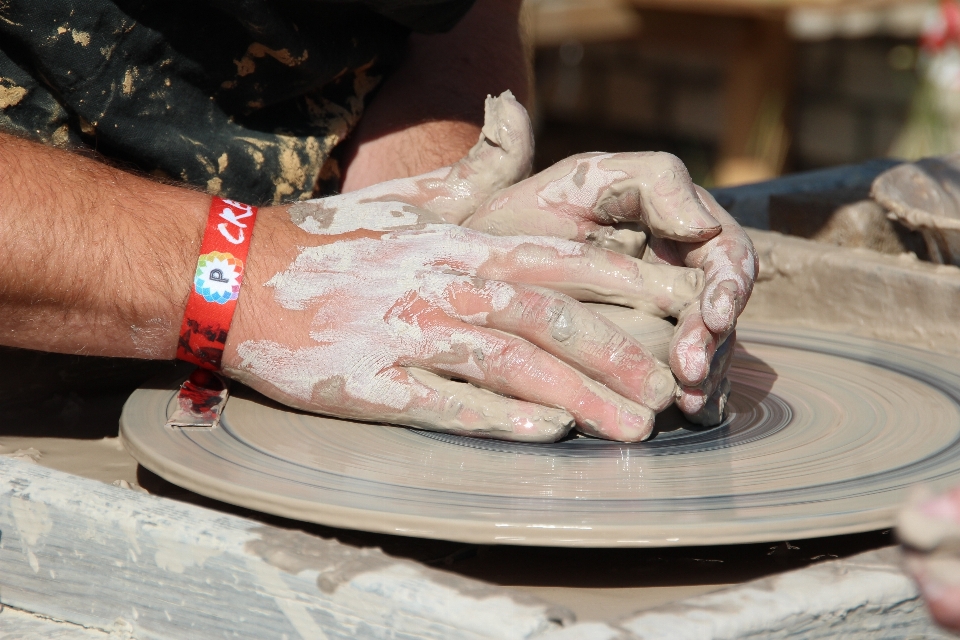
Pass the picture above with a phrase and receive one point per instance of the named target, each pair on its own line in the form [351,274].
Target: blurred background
[746,90]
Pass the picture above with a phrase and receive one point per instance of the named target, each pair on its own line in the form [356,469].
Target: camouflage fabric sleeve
[246,100]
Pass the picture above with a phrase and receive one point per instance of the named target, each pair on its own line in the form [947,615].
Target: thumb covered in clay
[501,157]
[612,200]
[658,191]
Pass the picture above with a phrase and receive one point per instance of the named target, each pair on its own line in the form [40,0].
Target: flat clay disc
[826,434]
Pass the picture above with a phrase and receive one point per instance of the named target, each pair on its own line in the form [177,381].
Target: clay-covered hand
[370,306]
[929,529]
[703,344]
[639,204]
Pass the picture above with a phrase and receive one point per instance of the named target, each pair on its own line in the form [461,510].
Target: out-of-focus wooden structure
[752,39]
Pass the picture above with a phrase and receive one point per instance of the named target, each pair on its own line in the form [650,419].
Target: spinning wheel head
[825,435]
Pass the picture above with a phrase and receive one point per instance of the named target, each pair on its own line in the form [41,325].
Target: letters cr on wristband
[216,283]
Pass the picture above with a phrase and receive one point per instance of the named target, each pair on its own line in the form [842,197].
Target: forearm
[93,260]
[429,113]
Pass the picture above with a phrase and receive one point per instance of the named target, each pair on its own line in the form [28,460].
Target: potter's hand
[929,530]
[369,307]
[637,204]
[703,344]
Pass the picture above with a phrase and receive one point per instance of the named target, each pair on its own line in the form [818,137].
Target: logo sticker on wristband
[216,283]
[218,277]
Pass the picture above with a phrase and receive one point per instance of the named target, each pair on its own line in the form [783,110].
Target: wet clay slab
[826,433]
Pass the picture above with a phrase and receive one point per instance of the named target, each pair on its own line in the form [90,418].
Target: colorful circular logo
[218,277]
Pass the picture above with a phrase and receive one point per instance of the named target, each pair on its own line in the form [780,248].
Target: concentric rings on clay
[826,435]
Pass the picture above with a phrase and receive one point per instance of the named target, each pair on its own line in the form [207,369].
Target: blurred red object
[944,29]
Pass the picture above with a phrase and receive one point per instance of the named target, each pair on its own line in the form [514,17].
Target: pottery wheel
[826,435]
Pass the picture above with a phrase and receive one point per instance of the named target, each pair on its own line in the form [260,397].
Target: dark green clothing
[246,98]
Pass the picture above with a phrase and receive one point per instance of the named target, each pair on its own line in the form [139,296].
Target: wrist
[273,248]
[217,280]
[173,244]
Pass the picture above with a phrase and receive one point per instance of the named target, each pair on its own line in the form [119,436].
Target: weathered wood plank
[93,554]
[864,597]
[20,625]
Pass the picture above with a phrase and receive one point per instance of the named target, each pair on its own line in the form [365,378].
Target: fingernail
[660,389]
[543,425]
[689,360]
[709,222]
[704,223]
[700,223]
[692,225]
[635,425]
[691,401]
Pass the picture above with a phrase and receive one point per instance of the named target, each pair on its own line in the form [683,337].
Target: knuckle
[581,157]
[675,163]
[511,358]
[667,160]
[550,313]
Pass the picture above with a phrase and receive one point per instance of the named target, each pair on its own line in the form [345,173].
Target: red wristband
[216,283]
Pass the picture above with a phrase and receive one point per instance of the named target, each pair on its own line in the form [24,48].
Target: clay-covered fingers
[354,315]
[596,275]
[929,530]
[610,200]
[450,406]
[514,367]
[729,263]
[705,404]
[566,329]
[692,348]
[658,191]
[502,156]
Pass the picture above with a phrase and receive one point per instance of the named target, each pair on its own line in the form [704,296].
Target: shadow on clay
[751,377]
